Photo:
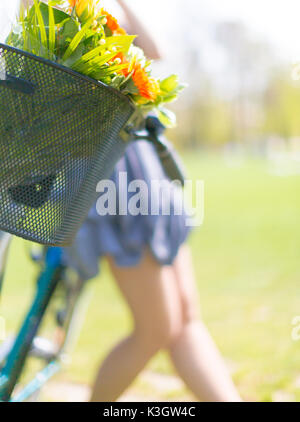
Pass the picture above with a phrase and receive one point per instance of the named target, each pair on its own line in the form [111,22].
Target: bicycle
[27,196]
[53,279]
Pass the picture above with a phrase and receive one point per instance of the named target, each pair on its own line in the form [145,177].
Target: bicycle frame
[11,371]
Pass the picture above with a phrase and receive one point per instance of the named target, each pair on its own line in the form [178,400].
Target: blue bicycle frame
[12,369]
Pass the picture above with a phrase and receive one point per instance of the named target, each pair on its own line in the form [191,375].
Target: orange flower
[123,59]
[112,23]
[147,86]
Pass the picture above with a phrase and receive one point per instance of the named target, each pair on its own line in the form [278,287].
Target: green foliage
[170,88]
[86,44]
[53,34]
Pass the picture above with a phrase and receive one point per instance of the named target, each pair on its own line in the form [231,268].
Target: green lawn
[248,270]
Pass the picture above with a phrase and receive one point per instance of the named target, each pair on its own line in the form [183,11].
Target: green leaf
[167,117]
[91,55]
[169,98]
[117,81]
[41,24]
[122,41]
[24,33]
[96,63]
[74,57]
[59,15]
[77,40]
[69,30]
[51,30]
[130,88]
[169,84]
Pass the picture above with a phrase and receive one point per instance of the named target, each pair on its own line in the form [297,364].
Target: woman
[153,269]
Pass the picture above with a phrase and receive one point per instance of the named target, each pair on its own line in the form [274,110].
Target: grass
[248,270]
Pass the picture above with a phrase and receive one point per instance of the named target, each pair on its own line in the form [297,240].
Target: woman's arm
[144,40]
[27,2]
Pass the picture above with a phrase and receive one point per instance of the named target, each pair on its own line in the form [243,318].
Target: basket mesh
[59,135]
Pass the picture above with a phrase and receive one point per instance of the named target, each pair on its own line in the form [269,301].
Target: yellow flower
[85,9]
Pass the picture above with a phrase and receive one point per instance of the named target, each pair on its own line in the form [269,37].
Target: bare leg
[151,293]
[162,301]
[193,352]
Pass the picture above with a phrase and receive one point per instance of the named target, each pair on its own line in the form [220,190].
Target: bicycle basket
[60,134]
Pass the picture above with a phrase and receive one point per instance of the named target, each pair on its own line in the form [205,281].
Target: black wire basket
[60,134]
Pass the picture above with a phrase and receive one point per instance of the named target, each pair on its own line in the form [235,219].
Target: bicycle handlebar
[169,158]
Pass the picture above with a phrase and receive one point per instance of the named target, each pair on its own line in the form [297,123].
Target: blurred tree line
[252,96]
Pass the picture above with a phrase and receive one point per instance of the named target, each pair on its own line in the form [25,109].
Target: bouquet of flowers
[81,35]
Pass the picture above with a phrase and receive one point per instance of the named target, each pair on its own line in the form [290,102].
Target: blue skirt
[126,237]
